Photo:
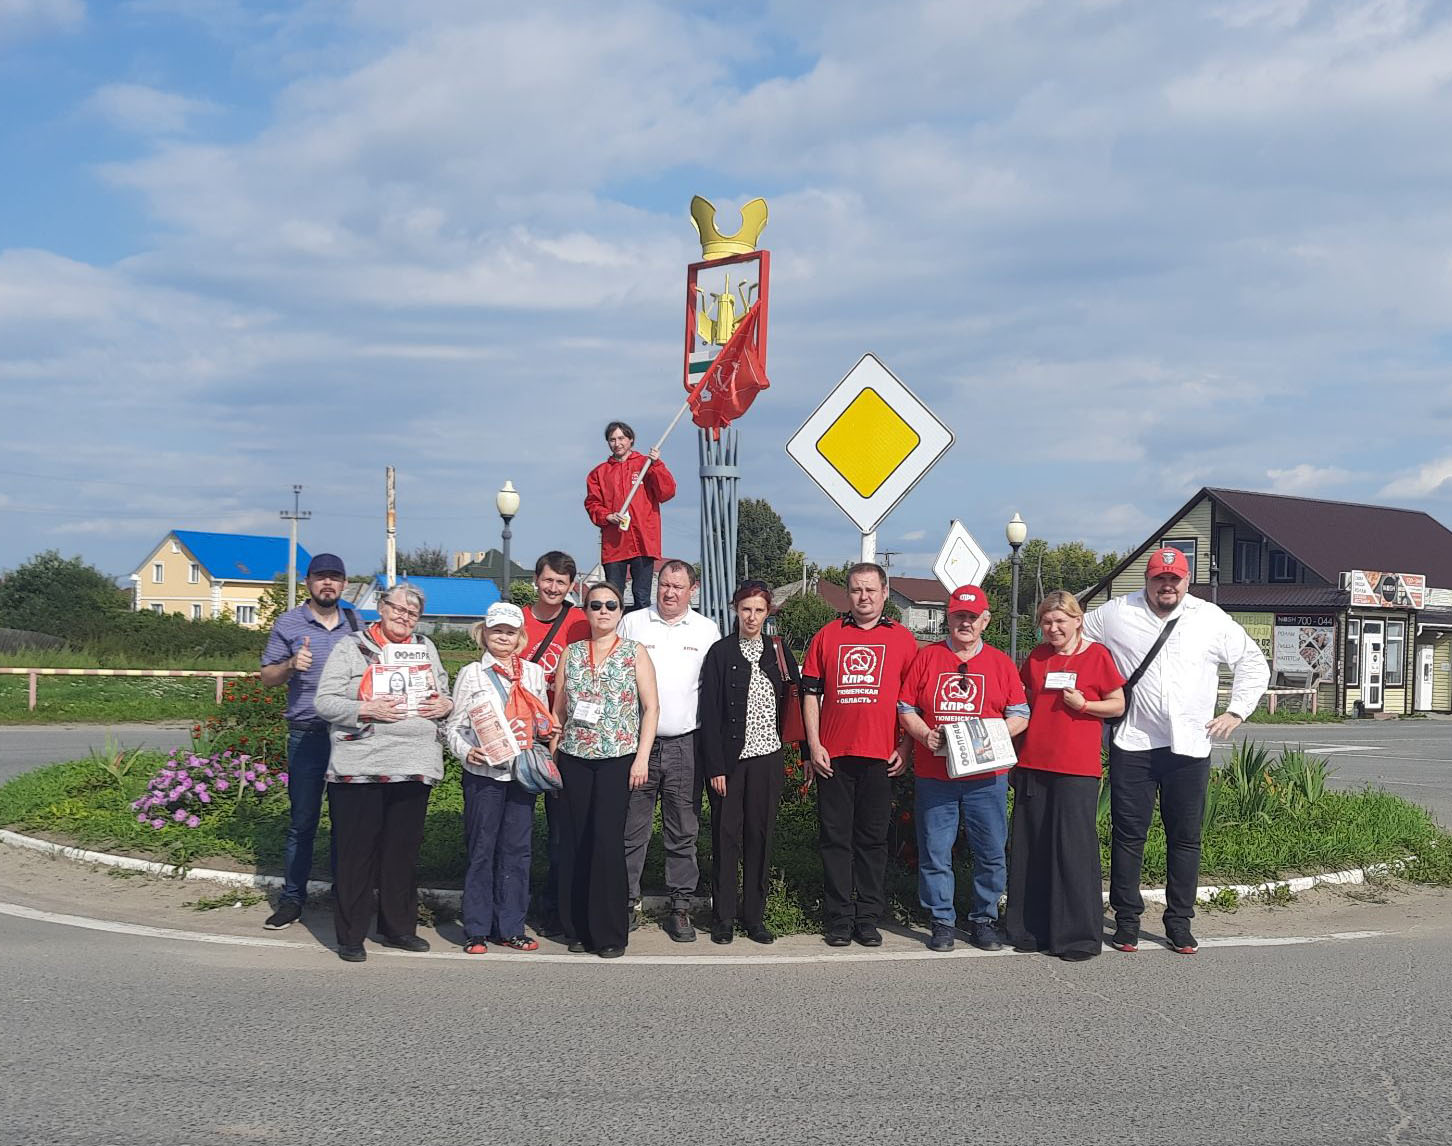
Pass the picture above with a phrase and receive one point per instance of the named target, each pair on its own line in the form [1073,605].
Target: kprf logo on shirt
[859,669]
[958,695]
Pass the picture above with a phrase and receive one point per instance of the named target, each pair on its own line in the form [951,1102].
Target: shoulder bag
[1113,722]
[793,729]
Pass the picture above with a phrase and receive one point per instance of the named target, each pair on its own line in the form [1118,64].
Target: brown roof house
[1354,601]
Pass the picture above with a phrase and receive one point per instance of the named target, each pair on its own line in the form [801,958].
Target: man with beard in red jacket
[629,542]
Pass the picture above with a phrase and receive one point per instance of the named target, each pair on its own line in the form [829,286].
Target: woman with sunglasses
[1054,880]
[386,757]
[743,697]
[949,682]
[606,708]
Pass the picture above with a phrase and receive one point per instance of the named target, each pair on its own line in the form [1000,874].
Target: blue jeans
[980,804]
[307,768]
[641,570]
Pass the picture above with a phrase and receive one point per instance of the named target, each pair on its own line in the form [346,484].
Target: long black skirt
[1055,895]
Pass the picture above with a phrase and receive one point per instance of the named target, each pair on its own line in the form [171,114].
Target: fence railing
[36,673]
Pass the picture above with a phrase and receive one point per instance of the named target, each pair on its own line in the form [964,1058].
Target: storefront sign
[1371,589]
[1305,643]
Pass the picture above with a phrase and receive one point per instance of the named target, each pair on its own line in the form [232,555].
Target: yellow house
[199,574]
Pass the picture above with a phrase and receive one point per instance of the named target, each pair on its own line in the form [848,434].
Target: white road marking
[116,927]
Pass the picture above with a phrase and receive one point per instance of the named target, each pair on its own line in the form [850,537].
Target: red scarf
[528,717]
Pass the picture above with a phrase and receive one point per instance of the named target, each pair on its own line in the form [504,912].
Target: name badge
[1060,680]
[587,712]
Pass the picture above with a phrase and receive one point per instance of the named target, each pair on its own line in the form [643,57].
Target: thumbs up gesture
[302,660]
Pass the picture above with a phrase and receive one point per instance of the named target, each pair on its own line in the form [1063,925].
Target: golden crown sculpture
[715,245]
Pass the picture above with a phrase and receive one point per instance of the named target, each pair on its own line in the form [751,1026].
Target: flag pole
[640,477]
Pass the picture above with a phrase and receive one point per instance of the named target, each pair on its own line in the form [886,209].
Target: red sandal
[475,945]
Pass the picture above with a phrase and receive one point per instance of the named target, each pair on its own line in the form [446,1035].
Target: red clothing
[575,628]
[1059,739]
[860,672]
[605,491]
[943,695]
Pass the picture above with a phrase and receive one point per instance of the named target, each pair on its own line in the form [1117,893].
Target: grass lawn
[108,700]
[80,802]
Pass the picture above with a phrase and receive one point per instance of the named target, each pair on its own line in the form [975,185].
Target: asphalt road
[26,746]
[128,1040]
[1412,758]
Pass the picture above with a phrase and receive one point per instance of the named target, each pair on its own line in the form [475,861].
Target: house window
[158,608]
[1185,545]
[196,612]
[158,573]
[1247,562]
[246,614]
[194,573]
[1396,652]
[1284,569]
[1353,653]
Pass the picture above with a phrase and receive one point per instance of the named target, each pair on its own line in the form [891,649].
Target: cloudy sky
[1124,249]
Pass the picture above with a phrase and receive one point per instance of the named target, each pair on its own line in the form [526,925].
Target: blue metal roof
[241,556]
[451,596]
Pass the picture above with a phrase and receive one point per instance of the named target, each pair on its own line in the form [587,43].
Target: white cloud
[145,110]
[1307,478]
[21,18]
[1432,480]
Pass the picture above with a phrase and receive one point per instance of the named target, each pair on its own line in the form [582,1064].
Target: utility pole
[887,555]
[295,516]
[391,545]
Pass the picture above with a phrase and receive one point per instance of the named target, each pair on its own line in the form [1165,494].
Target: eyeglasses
[402,610]
[610,605]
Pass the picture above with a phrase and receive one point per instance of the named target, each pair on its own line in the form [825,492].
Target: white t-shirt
[676,649]
[1175,698]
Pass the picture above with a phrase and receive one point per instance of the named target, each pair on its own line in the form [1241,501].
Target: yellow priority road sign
[869,443]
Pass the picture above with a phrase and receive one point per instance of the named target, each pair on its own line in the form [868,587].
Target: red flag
[733,379]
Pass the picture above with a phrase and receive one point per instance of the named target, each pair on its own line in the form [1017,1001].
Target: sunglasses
[609,606]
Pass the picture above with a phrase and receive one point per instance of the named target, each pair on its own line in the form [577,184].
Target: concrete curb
[451,896]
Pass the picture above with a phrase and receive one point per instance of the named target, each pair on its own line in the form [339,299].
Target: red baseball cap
[1167,560]
[967,599]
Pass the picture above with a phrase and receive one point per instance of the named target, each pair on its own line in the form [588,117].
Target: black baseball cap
[326,563]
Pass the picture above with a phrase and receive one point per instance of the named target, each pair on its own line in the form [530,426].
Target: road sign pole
[869,546]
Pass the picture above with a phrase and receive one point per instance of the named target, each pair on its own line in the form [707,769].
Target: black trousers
[594,889]
[549,894]
[1134,780]
[377,829]
[742,824]
[853,808]
[1055,900]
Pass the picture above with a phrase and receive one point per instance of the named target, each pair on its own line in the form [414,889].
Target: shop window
[1247,562]
[1396,652]
[1185,545]
[1353,652]
[1284,569]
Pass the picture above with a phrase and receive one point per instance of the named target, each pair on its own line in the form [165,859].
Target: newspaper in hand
[978,745]
[414,683]
[496,739]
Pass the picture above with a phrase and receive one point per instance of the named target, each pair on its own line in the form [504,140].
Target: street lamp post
[506,501]
[1017,533]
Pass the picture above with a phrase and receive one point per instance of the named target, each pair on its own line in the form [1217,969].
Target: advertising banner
[1371,589]
[1305,643]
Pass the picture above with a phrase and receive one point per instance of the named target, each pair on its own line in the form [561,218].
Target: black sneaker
[288,912]
[415,943]
[680,928]
[352,952]
[942,938]
[867,935]
[1180,941]
[1125,939]
[983,934]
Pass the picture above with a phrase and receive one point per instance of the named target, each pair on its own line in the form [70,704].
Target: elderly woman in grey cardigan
[386,755]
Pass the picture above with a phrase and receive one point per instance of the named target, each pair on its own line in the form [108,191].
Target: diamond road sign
[961,561]
[869,443]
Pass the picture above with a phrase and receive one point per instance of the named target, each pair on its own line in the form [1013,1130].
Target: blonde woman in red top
[1055,893]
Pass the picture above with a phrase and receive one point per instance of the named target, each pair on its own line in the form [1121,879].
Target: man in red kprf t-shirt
[850,682]
[948,682]
[550,624]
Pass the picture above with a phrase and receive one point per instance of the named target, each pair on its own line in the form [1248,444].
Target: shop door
[1372,649]
[1423,699]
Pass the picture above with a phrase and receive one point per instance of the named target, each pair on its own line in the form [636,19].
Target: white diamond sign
[960,561]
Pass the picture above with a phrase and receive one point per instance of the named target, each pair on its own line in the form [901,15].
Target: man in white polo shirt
[677,638]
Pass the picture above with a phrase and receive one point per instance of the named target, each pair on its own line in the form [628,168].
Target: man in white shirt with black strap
[677,638]
[1163,743]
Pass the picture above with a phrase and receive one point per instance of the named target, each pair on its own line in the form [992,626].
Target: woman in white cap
[500,709]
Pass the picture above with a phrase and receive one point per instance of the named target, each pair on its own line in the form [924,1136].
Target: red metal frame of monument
[763,296]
